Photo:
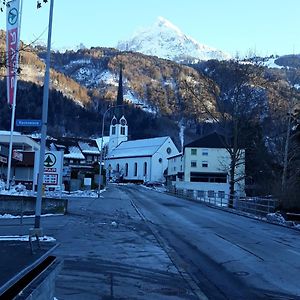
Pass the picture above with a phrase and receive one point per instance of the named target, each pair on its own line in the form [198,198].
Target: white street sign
[53,168]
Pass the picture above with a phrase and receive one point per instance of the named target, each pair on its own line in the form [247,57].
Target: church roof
[213,140]
[138,148]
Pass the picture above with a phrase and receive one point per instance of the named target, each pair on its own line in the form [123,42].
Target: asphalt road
[110,253]
[226,255]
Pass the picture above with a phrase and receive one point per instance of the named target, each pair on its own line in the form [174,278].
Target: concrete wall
[202,186]
[17,205]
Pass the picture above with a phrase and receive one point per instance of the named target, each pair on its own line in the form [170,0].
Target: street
[227,255]
[137,243]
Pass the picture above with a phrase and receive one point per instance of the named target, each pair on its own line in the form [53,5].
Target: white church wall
[140,173]
[160,159]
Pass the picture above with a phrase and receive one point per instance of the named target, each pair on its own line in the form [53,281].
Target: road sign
[53,168]
[28,123]
[17,155]
[3,159]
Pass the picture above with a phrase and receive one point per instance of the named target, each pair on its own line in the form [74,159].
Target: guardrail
[258,206]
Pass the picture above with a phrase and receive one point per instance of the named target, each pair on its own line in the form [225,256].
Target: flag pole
[13,113]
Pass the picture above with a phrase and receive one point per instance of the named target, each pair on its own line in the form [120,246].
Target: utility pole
[38,208]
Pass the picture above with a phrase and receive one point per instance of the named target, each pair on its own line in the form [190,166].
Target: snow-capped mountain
[165,40]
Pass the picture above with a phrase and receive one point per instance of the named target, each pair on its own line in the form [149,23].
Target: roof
[137,148]
[19,141]
[74,153]
[173,156]
[213,140]
[89,147]
[74,148]
[99,141]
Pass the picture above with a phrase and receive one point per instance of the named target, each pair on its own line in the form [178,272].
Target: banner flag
[12,48]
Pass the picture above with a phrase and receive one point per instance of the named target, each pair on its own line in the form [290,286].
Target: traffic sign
[28,123]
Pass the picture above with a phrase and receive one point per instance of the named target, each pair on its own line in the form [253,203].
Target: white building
[138,160]
[204,167]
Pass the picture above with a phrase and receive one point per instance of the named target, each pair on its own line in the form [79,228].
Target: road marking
[293,251]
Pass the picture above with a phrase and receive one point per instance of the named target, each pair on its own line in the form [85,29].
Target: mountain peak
[162,22]
[165,40]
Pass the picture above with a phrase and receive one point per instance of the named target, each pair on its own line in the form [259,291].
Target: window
[135,169]
[126,169]
[221,194]
[204,164]
[211,194]
[118,168]
[193,151]
[208,177]
[122,130]
[169,150]
[205,152]
[145,168]
[193,164]
[113,130]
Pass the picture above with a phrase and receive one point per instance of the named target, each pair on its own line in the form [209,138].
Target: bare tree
[238,102]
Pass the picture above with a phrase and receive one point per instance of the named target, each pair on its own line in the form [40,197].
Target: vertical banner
[12,48]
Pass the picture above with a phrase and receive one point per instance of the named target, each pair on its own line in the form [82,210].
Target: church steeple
[118,127]
[120,87]
[120,100]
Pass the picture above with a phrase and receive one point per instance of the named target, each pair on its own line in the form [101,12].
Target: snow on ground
[270,63]
[25,238]
[19,190]
[9,216]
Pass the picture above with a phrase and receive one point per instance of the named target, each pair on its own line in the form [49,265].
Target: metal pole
[101,154]
[38,208]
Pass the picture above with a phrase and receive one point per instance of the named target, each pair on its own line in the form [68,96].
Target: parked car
[153,184]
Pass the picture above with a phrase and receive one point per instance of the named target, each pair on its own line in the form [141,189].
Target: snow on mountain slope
[165,40]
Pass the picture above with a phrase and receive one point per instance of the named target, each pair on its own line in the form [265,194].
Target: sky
[263,27]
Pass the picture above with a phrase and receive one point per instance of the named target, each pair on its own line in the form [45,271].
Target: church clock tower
[118,131]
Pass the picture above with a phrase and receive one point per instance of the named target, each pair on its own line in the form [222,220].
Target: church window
[169,150]
[122,130]
[135,169]
[113,130]
[118,168]
[145,168]
[126,169]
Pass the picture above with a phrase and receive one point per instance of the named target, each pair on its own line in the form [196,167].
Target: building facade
[204,167]
[140,160]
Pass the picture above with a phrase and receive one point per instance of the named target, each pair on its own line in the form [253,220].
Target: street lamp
[101,149]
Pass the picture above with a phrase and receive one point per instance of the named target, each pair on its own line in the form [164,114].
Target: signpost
[29,123]
[3,159]
[17,155]
[53,169]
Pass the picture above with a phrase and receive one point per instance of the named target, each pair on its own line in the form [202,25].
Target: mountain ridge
[163,39]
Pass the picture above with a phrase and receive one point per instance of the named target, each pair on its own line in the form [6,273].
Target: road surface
[226,255]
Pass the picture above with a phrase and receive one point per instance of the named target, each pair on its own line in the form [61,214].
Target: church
[144,160]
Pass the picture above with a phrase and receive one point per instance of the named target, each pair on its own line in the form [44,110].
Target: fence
[258,206]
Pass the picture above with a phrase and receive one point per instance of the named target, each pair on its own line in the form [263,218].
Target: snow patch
[25,238]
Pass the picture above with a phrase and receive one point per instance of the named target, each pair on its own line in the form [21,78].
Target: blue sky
[263,26]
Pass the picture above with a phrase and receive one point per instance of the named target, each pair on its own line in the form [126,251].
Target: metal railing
[257,206]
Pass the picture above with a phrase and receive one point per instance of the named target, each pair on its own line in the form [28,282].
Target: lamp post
[101,149]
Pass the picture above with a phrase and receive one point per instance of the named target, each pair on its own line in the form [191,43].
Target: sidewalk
[109,253]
